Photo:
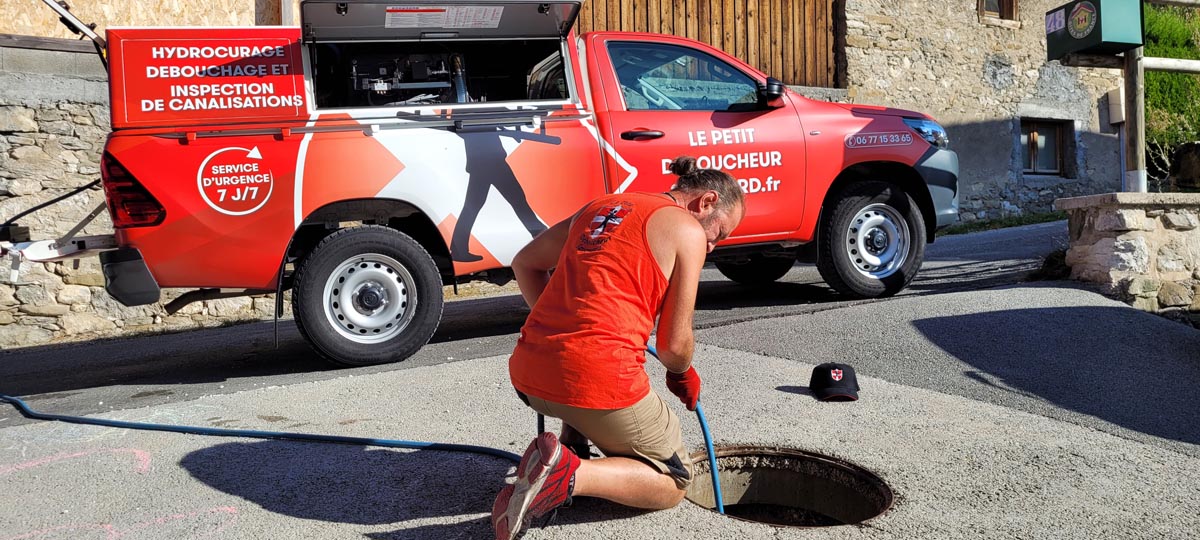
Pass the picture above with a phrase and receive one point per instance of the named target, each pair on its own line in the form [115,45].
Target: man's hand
[685,386]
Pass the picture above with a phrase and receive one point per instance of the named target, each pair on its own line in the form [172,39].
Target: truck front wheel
[367,295]
[873,241]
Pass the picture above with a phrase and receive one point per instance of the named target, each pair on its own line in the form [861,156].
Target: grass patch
[1002,223]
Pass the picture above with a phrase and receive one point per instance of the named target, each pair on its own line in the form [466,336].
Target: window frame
[698,53]
[1031,147]
[563,52]
[541,73]
[1008,10]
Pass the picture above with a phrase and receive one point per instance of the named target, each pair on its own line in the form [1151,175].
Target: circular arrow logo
[235,181]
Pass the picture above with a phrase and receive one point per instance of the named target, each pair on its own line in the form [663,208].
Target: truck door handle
[641,134]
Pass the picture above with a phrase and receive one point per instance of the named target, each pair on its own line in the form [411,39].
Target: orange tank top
[584,342]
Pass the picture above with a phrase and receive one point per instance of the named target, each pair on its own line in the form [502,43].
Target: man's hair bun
[683,166]
[693,179]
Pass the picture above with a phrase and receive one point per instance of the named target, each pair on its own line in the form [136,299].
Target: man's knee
[679,496]
[673,499]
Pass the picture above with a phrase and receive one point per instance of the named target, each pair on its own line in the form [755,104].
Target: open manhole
[788,487]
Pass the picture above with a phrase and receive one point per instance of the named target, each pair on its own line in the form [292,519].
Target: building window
[1043,144]
[998,9]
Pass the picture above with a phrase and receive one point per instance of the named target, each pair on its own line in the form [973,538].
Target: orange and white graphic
[489,190]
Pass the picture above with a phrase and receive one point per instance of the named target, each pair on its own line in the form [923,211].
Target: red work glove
[685,386]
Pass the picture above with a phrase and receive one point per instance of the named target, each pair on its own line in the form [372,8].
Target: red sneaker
[545,479]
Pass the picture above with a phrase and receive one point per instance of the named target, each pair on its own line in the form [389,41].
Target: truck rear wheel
[367,295]
[873,241]
[757,269]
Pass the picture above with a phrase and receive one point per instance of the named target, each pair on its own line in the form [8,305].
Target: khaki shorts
[647,431]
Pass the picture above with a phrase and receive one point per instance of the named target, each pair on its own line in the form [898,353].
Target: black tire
[757,270]
[384,314]
[885,219]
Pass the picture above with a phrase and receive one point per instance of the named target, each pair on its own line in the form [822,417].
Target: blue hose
[708,445]
[252,434]
[712,459]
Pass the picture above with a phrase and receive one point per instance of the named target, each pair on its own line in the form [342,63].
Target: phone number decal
[869,140]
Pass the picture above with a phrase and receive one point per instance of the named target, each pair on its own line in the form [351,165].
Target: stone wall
[1144,247]
[978,77]
[54,118]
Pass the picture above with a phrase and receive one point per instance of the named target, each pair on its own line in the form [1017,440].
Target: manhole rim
[701,457]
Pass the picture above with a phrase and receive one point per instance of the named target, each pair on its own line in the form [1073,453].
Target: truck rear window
[395,74]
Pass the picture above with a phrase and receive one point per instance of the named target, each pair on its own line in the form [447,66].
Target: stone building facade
[984,76]
[981,76]
[54,118]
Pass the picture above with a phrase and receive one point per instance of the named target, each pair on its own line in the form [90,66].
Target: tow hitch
[18,247]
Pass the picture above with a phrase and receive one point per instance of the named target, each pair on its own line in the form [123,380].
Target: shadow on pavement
[214,355]
[466,530]
[373,486]
[970,275]
[247,352]
[200,356]
[725,295]
[218,355]
[583,510]
[351,484]
[1110,363]
[798,390]
[593,510]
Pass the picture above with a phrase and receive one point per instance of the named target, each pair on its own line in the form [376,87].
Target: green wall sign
[1104,27]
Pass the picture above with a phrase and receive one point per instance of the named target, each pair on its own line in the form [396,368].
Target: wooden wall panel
[792,40]
[729,28]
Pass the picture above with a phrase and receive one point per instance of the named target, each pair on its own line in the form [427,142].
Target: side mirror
[771,94]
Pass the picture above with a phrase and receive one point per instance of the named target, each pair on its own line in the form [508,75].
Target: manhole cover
[783,486]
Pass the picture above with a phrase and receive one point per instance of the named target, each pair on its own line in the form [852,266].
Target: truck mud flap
[127,278]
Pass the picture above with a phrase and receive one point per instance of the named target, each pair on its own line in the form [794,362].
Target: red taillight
[129,204]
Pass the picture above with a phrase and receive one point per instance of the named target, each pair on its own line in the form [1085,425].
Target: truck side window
[657,76]
[547,80]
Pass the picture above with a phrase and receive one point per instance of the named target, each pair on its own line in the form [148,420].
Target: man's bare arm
[533,263]
[686,238]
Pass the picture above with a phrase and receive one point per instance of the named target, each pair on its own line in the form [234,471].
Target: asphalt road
[992,407]
[116,374]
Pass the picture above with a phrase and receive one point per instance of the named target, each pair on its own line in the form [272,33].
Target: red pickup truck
[379,152]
